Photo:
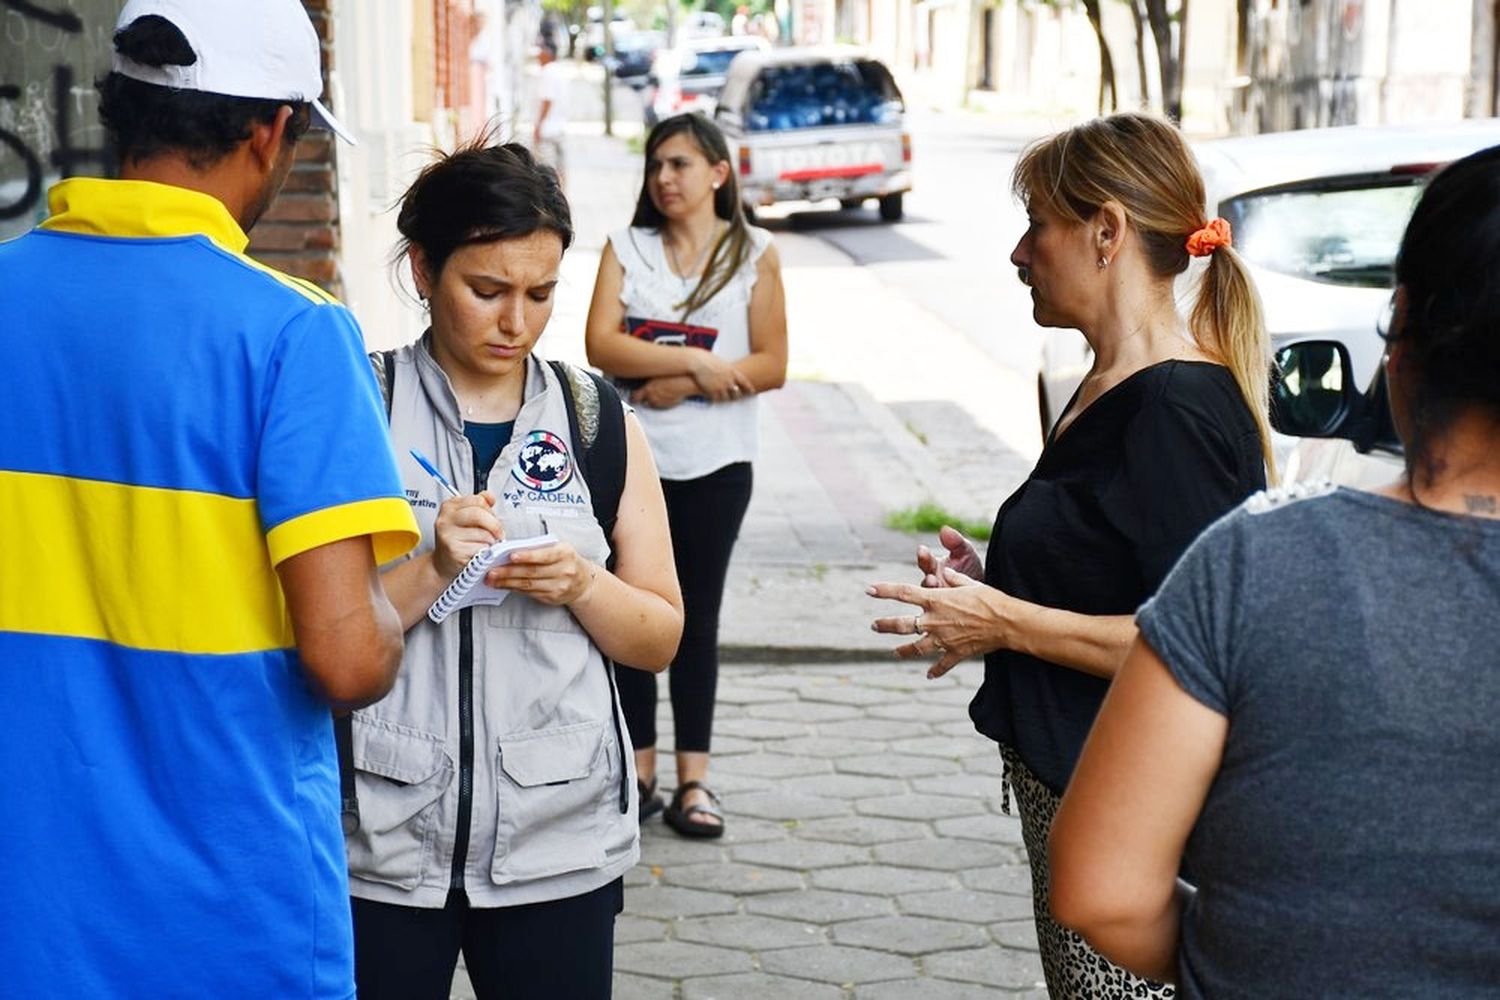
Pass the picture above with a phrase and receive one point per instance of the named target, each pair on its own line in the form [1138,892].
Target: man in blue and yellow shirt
[195,490]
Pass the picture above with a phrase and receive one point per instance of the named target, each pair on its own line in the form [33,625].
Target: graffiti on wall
[50,53]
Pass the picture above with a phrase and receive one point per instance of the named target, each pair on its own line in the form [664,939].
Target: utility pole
[609,76]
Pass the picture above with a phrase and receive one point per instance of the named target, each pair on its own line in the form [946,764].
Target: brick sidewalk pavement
[865,856]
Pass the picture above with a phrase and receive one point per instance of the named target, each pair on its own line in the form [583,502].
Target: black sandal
[682,820]
[651,803]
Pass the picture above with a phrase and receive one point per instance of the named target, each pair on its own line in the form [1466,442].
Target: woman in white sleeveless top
[689,318]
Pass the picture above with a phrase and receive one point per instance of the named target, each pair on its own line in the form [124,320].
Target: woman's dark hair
[145,120]
[480,193]
[1450,331]
[733,247]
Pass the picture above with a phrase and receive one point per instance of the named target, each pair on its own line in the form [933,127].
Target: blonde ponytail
[1228,322]
[1143,163]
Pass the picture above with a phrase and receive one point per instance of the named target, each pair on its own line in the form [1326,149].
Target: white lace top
[695,437]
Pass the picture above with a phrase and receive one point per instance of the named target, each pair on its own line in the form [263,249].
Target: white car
[1317,214]
[1343,435]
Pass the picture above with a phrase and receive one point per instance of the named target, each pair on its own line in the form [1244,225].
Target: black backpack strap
[607,456]
[596,426]
[581,446]
[384,364]
[343,742]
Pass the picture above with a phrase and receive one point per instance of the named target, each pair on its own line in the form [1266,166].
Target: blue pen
[434,473]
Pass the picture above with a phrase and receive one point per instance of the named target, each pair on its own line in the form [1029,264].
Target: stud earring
[716,185]
[1103,263]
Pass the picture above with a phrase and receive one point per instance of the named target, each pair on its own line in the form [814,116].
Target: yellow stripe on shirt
[302,286]
[388,520]
[143,567]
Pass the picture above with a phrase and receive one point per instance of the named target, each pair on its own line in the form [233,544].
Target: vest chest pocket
[552,788]
[400,775]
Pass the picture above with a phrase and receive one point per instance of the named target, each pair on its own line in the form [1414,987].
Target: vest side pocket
[400,775]
[551,796]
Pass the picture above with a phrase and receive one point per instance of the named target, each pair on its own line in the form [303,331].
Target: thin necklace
[697,261]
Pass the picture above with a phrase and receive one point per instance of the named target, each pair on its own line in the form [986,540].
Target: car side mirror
[1313,394]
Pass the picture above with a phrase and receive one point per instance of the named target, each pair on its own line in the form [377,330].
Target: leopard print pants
[1074,970]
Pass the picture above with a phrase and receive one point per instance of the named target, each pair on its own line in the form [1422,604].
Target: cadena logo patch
[544,463]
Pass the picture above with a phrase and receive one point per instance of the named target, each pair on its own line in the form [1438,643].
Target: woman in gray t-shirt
[1309,719]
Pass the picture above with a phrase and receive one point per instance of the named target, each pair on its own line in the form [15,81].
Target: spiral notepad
[469,588]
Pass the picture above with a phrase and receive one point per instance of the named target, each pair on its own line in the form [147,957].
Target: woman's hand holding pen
[465,524]
[555,575]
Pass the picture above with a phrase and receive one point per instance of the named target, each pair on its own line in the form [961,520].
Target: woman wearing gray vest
[1308,718]
[495,780]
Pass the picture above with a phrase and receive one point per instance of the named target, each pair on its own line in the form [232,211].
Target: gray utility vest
[494,764]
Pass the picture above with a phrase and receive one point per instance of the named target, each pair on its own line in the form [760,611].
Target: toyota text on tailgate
[814,125]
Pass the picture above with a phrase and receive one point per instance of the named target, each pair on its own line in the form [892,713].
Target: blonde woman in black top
[1283,720]
[1167,432]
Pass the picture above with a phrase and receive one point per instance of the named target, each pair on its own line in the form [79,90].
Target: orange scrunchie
[1213,235]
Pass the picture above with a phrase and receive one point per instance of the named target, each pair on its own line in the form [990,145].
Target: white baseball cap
[266,49]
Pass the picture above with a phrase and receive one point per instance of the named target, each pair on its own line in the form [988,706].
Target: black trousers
[705,516]
[558,950]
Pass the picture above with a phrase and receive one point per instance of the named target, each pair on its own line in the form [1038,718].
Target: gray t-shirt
[1350,845]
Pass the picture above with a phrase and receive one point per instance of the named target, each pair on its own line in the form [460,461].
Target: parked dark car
[634,53]
[592,36]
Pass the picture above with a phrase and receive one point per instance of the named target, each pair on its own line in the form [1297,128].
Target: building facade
[407,76]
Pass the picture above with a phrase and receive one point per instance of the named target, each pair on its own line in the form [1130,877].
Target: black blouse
[1112,502]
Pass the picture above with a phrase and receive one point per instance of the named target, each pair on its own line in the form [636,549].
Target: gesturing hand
[464,526]
[960,555]
[955,620]
[555,575]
